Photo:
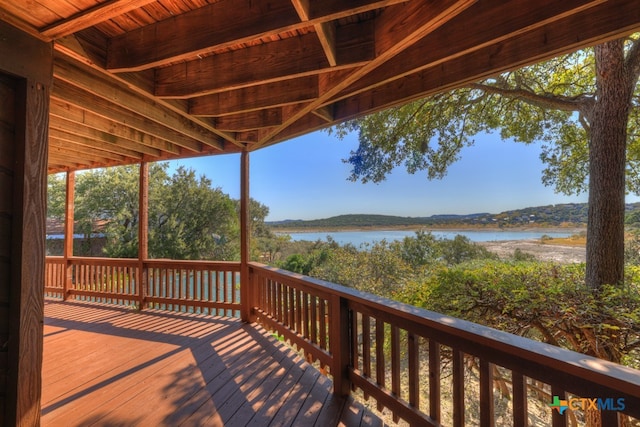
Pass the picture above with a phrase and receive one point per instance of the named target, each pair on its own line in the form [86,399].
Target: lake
[358,238]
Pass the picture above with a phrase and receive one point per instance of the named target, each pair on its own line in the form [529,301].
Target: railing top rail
[503,345]
[228,265]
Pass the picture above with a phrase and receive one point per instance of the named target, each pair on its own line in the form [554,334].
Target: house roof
[142,80]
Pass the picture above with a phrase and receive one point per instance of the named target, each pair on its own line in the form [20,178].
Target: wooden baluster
[366,348]
[434,380]
[306,318]
[380,367]
[458,388]
[413,353]
[520,410]
[323,324]
[486,394]
[355,345]
[314,319]
[558,420]
[339,342]
[395,366]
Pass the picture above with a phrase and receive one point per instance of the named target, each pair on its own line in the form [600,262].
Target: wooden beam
[111,129]
[28,62]
[60,148]
[326,32]
[76,49]
[218,26]
[201,31]
[93,16]
[77,97]
[97,86]
[396,29]
[252,98]
[61,126]
[245,237]
[69,210]
[251,120]
[260,64]
[143,231]
[494,22]
[83,143]
[612,20]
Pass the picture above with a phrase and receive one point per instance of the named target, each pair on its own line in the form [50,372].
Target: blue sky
[305,178]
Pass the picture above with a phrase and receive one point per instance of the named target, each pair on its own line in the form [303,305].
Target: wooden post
[143,233]
[245,239]
[68,233]
[339,342]
[26,72]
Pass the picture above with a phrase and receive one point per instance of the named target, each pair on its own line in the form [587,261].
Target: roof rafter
[85,78]
[516,52]
[515,17]
[260,64]
[397,28]
[220,25]
[93,16]
[276,94]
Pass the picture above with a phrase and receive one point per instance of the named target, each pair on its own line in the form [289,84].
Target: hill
[568,214]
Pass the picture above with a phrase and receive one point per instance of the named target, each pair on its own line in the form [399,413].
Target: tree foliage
[583,107]
[189,218]
[546,103]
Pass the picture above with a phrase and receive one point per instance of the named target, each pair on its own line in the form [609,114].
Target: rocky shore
[543,252]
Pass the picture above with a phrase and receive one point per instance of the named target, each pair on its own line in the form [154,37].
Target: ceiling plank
[66,92]
[260,64]
[63,148]
[90,143]
[71,127]
[118,130]
[218,26]
[90,17]
[81,76]
[277,94]
[80,50]
[452,40]
[250,121]
[614,19]
[397,28]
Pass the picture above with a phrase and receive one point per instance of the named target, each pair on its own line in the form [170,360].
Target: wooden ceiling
[143,80]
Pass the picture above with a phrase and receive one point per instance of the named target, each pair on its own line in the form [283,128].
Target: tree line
[189,218]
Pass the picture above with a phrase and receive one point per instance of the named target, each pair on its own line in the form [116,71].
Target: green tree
[188,217]
[583,107]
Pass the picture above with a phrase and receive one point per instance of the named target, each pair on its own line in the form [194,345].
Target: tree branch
[633,60]
[578,103]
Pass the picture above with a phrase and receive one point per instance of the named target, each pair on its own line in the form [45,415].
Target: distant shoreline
[568,229]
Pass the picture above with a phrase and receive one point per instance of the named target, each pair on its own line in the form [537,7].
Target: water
[358,238]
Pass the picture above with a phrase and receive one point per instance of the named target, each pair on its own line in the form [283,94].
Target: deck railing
[403,356]
[424,367]
[187,286]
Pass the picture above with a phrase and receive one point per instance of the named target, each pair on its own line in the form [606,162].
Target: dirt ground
[543,252]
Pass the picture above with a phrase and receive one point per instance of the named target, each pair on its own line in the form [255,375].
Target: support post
[143,233]
[339,345]
[26,71]
[245,239]
[68,233]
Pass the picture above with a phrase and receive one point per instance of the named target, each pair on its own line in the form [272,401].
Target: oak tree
[583,107]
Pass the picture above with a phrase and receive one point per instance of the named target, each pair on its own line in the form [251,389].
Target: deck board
[109,366]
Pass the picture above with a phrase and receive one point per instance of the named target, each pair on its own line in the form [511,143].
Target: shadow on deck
[108,366]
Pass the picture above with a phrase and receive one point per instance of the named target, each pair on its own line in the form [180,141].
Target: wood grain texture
[154,368]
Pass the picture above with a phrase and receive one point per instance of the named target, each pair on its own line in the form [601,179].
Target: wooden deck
[107,366]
